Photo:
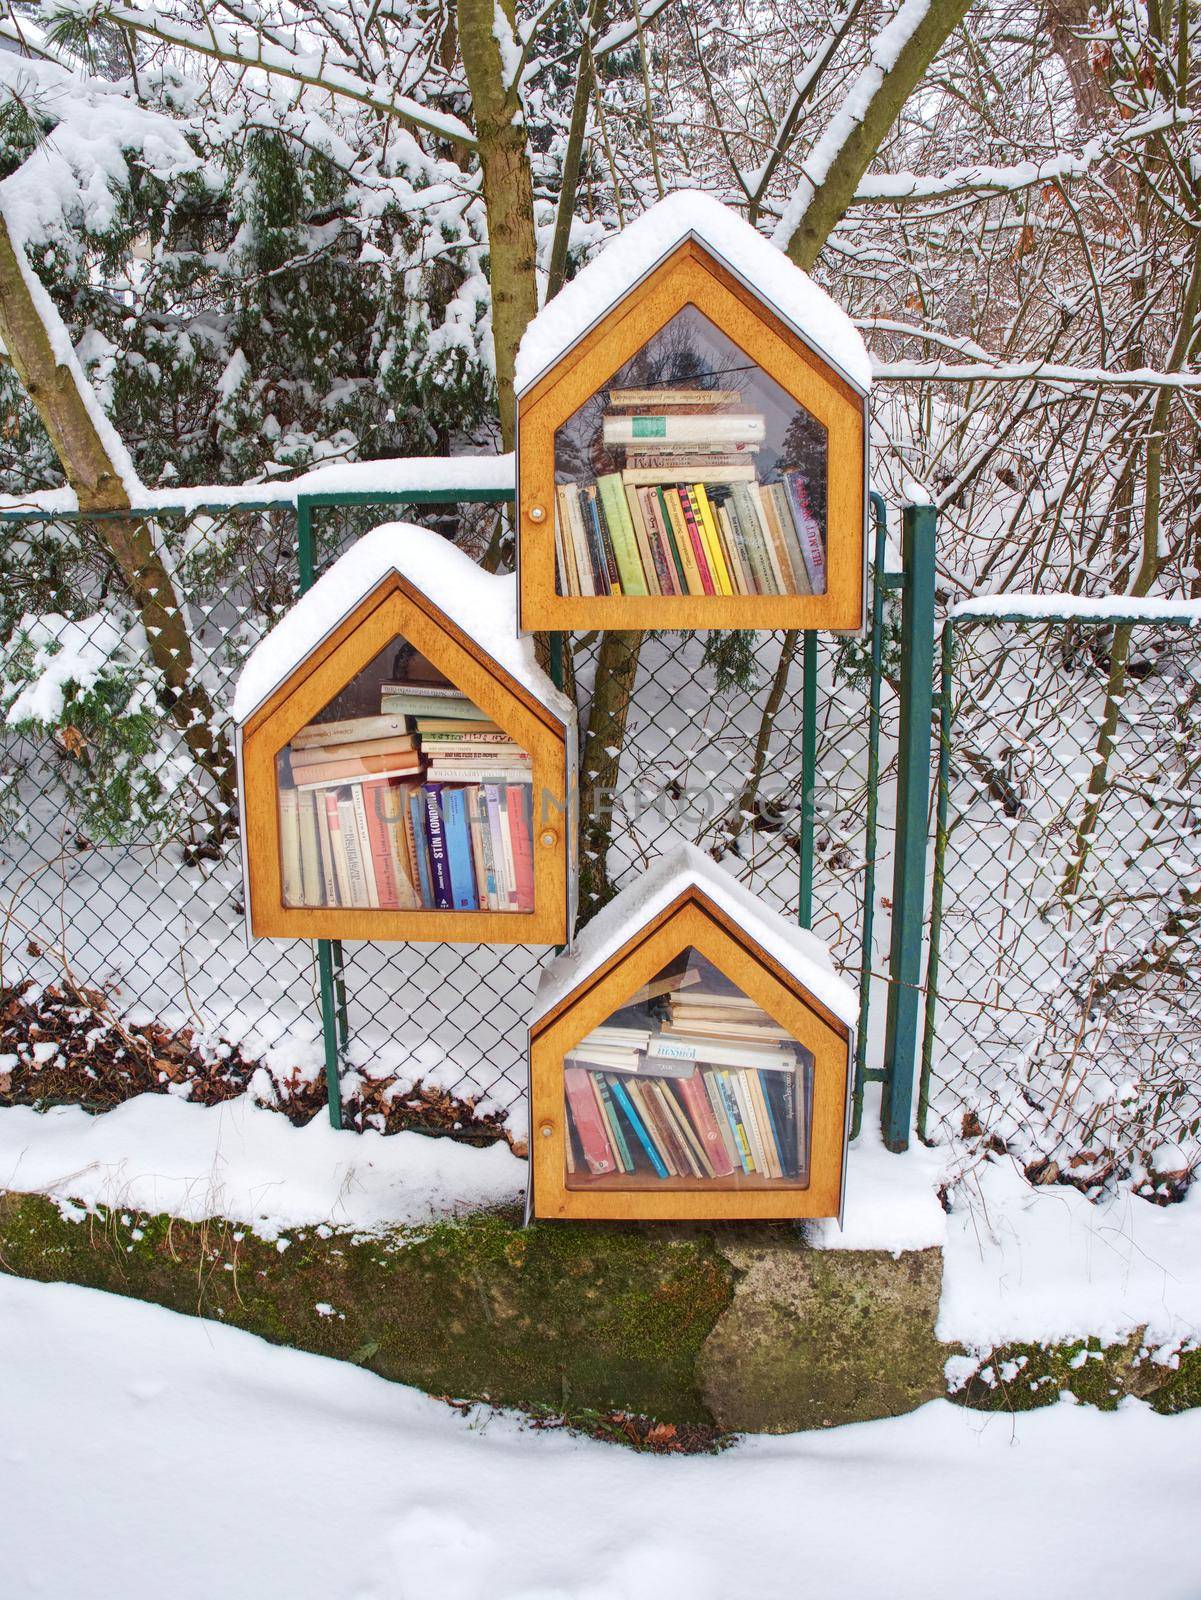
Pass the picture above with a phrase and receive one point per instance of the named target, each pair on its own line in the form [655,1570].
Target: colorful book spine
[696,1100]
[604,563]
[670,501]
[813,550]
[383,862]
[616,516]
[717,558]
[519,804]
[589,1127]
[464,895]
[696,539]
[425,875]
[648,552]
[634,1118]
[613,1121]
[435,832]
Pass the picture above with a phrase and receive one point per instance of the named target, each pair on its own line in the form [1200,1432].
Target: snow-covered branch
[901,188]
[1031,371]
[314,70]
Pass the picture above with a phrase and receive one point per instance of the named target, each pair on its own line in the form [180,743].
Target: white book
[746,427]
[356,881]
[289,847]
[721,1052]
[749,1123]
[360,817]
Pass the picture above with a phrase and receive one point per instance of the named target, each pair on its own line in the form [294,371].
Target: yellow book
[717,559]
[692,573]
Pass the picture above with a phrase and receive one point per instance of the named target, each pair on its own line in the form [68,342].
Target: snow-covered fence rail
[1064,1008]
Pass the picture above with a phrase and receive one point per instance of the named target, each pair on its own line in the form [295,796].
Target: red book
[381,850]
[523,844]
[698,544]
[704,1123]
[585,1113]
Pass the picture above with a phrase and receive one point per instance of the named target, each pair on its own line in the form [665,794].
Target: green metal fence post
[334,1019]
[304,542]
[880,527]
[808,775]
[913,801]
[329,1030]
[938,874]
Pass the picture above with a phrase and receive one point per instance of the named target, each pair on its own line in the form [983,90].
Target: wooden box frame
[691,920]
[692,275]
[398,608]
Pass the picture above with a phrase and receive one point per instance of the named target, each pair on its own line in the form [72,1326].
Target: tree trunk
[600,763]
[508,192]
[812,218]
[55,391]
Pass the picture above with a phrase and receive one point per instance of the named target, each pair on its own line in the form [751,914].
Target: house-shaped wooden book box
[692,437]
[690,1058]
[407,771]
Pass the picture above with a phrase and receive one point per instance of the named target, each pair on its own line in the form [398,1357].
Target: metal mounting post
[808,775]
[913,803]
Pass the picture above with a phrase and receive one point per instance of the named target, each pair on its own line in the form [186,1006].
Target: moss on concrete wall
[732,1328]
[715,1326]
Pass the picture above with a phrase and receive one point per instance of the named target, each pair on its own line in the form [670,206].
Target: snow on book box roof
[635,252]
[483,604]
[801,953]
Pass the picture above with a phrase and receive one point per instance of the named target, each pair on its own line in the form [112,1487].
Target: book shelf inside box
[690,1077]
[690,1083]
[692,463]
[402,785]
[401,794]
[692,472]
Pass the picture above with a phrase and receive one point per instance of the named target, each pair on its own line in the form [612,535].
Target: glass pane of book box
[690,1084]
[401,794]
[691,472]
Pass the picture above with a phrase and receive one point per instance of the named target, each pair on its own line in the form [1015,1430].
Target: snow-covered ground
[148,1454]
[159,1154]
[1021,1263]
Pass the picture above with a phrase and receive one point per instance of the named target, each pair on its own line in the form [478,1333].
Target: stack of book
[695,1081]
[427,806]
[686,514]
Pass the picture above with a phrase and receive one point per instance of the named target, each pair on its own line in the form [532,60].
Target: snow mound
[685,867]
[482,604]
[159,1154]
[891,1199]
[635,252]
[1046,1264]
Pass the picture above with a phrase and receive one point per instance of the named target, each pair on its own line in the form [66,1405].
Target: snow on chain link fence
[1068,1014]
[158,923]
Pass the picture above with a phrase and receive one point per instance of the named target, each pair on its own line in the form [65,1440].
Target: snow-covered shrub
[84,689]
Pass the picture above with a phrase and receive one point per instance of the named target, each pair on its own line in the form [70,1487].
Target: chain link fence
[1066,929]
[150,912]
